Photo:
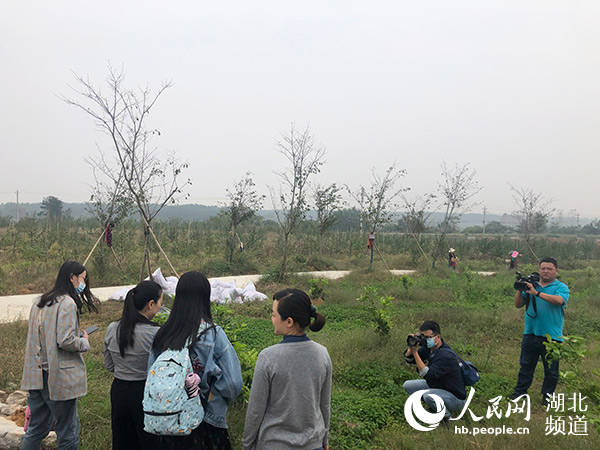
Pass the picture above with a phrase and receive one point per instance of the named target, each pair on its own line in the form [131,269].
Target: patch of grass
[478,320]
[258,333]
[357,415]
[13,337]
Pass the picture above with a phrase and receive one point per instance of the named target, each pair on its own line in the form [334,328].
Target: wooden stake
[93,248]
[159,247]
[117,259]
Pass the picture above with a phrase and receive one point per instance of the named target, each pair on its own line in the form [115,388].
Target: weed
[378,308]
[317,288]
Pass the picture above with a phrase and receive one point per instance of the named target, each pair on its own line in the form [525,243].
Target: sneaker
[446,422]
[514,396]
[545,401]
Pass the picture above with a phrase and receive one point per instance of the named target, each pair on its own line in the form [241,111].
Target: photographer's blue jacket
[550,317]
[443,372]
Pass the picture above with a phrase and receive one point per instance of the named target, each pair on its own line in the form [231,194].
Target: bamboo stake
[117,259]
[418,244]
[381,256]
[93,248]
[159,247]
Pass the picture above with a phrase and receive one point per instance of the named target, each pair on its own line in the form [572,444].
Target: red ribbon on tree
[108,234]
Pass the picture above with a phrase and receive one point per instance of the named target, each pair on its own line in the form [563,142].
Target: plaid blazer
[58,326]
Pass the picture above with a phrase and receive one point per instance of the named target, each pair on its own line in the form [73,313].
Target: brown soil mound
[25,290]
[18,417]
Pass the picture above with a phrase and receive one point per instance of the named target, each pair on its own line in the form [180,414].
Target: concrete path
[16,307]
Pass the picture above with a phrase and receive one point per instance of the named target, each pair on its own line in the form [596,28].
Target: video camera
[520,285]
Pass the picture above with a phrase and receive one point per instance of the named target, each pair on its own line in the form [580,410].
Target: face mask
[430,342]
[79,289]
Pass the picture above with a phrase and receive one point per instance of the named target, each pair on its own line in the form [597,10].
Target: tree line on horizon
[131,179]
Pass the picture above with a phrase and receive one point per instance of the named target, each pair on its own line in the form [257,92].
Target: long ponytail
[135,301]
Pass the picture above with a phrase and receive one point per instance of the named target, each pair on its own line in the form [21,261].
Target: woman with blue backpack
[194,373]
[289,406]
[126,349]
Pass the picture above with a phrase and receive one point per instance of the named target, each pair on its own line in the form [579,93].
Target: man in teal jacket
[544,314]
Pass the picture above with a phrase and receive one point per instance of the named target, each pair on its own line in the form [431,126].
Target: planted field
[477,318]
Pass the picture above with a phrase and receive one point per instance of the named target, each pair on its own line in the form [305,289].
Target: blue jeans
[44,413]
[532,347]
[450,400]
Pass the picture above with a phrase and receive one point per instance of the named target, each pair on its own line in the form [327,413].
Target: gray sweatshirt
[134,366]
[289,400]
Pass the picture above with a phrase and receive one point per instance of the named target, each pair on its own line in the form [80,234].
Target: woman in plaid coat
[54,371]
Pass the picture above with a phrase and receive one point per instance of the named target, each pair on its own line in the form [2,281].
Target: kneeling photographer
[442,374]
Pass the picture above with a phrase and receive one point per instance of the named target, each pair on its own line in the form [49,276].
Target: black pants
[205,437]
[127,417]
[532,347]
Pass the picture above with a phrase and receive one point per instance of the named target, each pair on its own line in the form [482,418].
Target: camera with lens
[416,340]
[420,341]
[520,285]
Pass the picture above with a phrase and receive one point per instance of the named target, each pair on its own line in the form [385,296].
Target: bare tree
[533,213]
[122,114]
[415,217]
[457,187]
[244,201]
[328,201]
[304,159]
[378,201]
[110,200]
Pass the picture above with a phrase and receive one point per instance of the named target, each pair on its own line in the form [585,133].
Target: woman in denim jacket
[220,377]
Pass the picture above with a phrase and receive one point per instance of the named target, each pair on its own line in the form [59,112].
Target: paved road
[16,307]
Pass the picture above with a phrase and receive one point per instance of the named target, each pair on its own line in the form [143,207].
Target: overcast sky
[512,87]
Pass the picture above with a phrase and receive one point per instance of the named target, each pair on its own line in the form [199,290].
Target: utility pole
[17,215]
[484,213]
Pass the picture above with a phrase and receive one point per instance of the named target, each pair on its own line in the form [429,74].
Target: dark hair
[296,304]
[135,301]
[431,325]
[549,260]
[190,307]
[63,286]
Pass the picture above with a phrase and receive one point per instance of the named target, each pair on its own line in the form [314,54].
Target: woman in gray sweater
[289,404]
[126,348]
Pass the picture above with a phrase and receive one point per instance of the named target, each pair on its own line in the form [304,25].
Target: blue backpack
[469,372]
[167,409]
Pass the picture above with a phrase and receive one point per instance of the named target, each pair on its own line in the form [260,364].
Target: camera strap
[531,298]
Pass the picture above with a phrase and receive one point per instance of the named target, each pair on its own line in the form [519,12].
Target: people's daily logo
[418,417]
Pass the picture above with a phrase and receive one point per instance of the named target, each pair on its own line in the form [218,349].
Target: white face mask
[431,342]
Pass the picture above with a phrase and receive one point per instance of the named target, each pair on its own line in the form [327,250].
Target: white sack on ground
[167,285]
[221,291]
[121,293]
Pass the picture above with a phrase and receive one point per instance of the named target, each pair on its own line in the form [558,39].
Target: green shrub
[571,353]
[317,288]
[316,262]
[378,308]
